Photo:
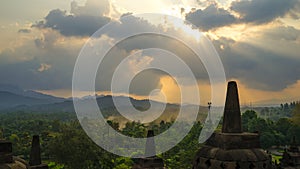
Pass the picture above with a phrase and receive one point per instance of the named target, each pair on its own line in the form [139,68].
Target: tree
[182,155]
[135,129]
[283,125]
[247,117]
[258,125]
[267,139]
[72,145]
[123,163]
[296,114]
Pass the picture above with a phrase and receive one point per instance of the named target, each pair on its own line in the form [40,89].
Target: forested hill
[13,96]
[15,99]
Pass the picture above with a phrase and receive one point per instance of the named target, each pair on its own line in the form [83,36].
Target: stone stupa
[8,161]
[152,162]
[35,160]
[291,156]
[232,148]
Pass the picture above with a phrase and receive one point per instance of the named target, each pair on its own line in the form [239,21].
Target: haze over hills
[28,93]
[13,99]
[10,100]
[12,96]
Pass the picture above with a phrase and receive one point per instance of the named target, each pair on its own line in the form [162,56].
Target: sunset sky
[258,42]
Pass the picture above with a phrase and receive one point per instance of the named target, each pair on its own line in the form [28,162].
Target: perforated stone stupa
[232,149]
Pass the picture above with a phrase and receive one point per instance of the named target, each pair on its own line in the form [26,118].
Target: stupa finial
[232,113]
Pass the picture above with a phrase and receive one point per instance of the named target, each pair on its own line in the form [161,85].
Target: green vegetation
[272,133]
[276,158]
[275,113]
[66,146]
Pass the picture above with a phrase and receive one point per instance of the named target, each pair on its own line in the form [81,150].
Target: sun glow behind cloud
[186,29]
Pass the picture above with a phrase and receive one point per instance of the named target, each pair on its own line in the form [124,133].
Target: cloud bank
[83,20]
[249,11]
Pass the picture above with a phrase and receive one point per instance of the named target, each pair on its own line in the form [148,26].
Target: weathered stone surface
[7,161]
[5,146]
[294,147]
[35,160]
[12,166]
[35,154]
[232,113]
[290,159]
[150,144]
[234,140]
[150,163]
[291,156]
[261,154]
[232,154]
[5,152]
[153,162]
[41,166]
[232,149]
[6,158]
[205,163]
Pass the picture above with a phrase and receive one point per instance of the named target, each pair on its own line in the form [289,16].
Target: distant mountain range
[13,99]
[13,96]
[28,93]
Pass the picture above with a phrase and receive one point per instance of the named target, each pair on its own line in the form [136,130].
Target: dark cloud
[137,85]
[211,17]
[127,23]
[262,11]
[254,65]
[257,67]
[145,41]
[73,25]
[250,11]
[142,85]
[24,31]
[46,51]
[82,20]
[39,67]
[28,74]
